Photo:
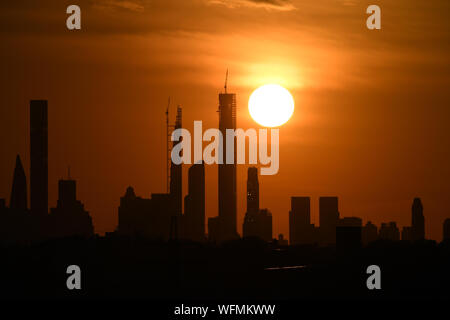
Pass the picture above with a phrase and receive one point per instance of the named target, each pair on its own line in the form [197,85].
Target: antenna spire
[226,80]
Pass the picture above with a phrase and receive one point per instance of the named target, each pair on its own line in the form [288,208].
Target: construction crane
[169,129]
[226,80]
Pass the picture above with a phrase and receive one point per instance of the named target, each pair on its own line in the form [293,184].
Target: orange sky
[372,107]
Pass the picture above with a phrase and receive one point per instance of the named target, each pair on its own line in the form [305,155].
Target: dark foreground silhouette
[123,267]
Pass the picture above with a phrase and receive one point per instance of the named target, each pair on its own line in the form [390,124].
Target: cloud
[132,5]
[139,17]
[282,5]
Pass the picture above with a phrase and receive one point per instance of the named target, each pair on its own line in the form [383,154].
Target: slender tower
[19,188]
[418,220]
[328,218]
[39,157]
[227,172]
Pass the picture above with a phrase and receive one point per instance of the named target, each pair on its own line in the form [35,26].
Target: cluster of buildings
[334,230]
[161,216]
[20,223]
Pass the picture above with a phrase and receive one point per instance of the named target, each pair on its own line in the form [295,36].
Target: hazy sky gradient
[372,107]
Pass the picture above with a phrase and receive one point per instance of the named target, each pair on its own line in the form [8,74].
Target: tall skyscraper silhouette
[227,172]
[300,228]
[252,190]
[39,157]
[257,222]
[417,220]
[328,217]
[19,188]
[194,203]
[15,224]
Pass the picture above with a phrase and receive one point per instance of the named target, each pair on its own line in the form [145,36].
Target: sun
[271,105]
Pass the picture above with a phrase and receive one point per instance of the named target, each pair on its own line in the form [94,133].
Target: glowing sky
[372,107]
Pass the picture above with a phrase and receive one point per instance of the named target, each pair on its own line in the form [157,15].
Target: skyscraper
[417,220]
[252,190]
[257,222]
[227,171]
[39,157]
[194,203]
[329,217]
[19,188]
[300,228]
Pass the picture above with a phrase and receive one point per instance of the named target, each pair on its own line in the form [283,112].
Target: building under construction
[223,227]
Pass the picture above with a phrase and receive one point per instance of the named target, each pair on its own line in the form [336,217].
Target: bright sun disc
[271,105]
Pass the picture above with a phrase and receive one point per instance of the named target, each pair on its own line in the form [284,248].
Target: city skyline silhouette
[371,129]
[163,216]
[358,208]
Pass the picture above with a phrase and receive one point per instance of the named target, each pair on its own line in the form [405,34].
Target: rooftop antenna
[226,80]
